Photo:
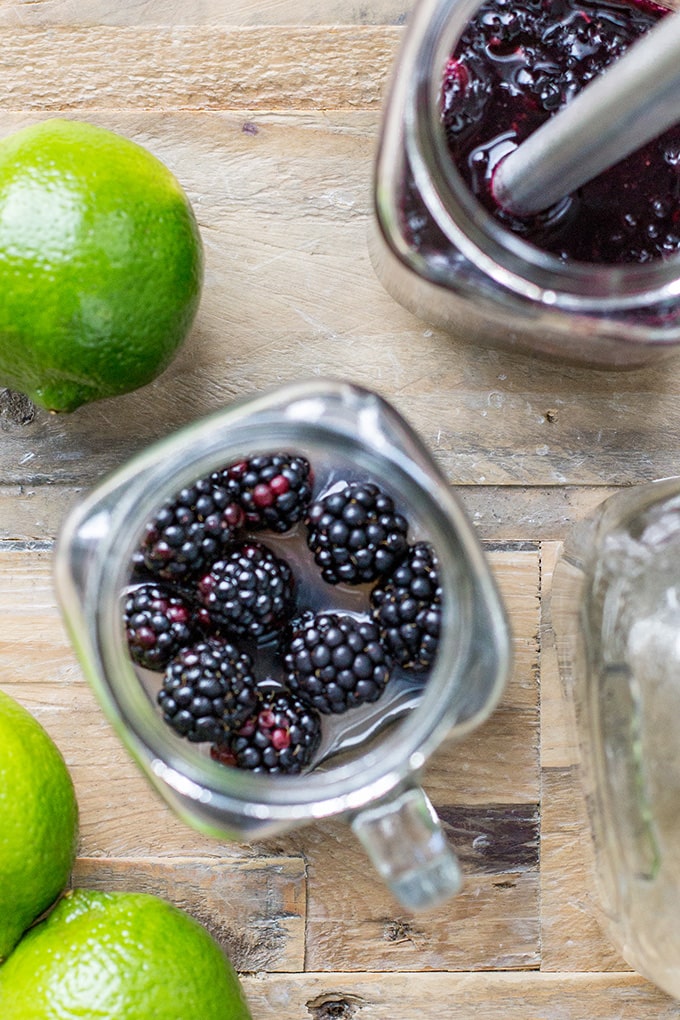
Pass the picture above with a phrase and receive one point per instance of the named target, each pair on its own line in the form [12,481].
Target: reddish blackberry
[273,490]
[355,534]
[249,591]
[407,608]
[158,622]
[189,531]
[208,690]
[280,737]
[336,662]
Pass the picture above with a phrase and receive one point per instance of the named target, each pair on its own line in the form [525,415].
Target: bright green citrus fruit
[101,264]
[119,956]
[38,822]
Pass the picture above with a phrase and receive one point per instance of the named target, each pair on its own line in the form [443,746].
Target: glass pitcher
[371,768]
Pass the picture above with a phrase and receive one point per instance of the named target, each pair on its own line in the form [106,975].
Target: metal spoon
[632,102]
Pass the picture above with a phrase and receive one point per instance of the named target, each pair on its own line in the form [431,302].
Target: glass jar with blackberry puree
[593,280]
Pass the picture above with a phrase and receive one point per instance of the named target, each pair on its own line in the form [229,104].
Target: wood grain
[457,997]
[176,68]
[254,907]
[354,924]
[574,935]
[171,13]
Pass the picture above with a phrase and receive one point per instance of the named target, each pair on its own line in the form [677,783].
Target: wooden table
[268,112]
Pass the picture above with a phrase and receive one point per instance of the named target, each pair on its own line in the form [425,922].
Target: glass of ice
[616,616]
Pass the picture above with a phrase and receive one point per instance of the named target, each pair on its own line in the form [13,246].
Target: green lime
[101,264]
[119,956]
[38,822]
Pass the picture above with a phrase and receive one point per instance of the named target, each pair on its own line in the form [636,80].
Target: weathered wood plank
[492,838]
[457,997]
[201,12]
[33,639]
[559,740]
[497,764]
[572,933]
[521,512]
[497,917]
[572,924]
[204,67]
[255,908]
[354,924]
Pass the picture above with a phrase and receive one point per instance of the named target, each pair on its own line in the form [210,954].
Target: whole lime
[38,822]
[101,264]
[119,956]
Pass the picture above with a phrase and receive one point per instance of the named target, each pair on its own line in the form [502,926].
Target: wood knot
[335,1006]
[400,930]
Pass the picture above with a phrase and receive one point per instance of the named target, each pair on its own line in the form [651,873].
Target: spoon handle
[634,101]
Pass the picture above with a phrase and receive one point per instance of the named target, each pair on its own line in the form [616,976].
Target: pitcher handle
[405,841]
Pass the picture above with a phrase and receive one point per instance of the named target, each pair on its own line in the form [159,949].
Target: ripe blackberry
[336,662]
[190,531]
[273,490]
[281,736]
[355,534]
[208,690]
[249,591]
[158,621]
[407,608]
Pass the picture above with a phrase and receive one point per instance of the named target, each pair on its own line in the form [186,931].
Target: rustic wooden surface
[268,111]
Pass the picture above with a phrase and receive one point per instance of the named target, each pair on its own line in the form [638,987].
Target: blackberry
[407,608]
[281,736]
[249,591]
[158,621]
[208,690]
[355,534]
[189,531]
[273,490]
[336,662]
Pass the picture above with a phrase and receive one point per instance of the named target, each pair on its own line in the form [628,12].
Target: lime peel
[101,264]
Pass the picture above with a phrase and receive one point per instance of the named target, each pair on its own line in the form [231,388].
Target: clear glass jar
[371,766]
[616,616]
[479,281]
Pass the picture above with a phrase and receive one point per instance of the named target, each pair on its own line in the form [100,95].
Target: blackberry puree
[516,64]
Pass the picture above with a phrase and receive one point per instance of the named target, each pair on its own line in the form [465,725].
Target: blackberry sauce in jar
[595,280]
[515,65]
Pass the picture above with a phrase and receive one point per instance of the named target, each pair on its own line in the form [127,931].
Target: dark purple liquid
[516,64]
